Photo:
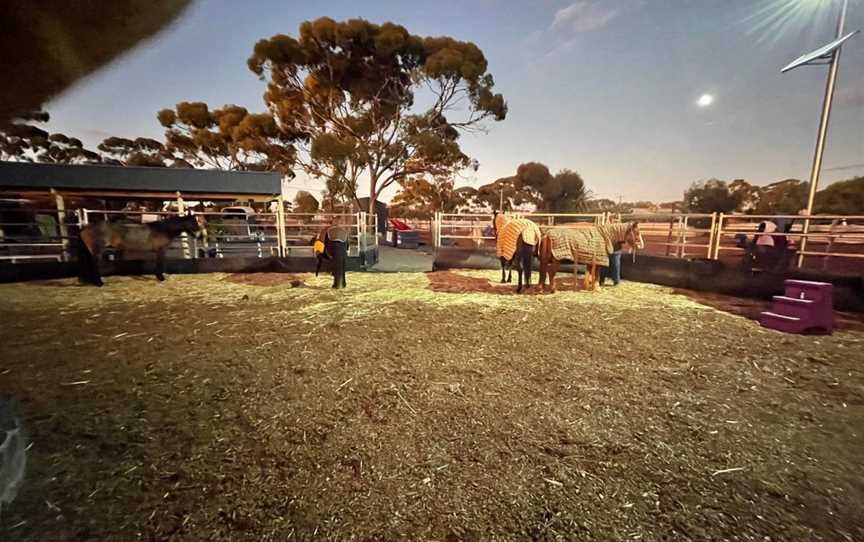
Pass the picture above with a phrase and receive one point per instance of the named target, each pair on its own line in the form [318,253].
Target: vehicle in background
[240,223]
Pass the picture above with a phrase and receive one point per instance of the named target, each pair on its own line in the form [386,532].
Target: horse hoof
[160,279]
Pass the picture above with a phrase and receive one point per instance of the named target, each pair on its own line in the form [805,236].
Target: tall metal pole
[823,131]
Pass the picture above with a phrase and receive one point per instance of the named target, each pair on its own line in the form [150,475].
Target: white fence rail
[831,240]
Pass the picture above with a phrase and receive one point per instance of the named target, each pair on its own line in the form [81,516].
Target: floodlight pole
[823,131]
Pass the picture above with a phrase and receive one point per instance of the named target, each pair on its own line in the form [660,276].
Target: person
[614,268]
[765,243]
[332,244]
[781,244]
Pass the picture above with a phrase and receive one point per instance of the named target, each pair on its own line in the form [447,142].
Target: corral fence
[827,242]
[49,234]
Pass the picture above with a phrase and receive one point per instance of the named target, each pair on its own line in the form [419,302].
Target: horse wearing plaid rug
[516,243]
[591,245]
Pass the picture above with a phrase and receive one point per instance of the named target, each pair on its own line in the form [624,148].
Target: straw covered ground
[422,407]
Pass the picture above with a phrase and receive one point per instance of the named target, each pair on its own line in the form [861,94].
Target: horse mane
[616,232]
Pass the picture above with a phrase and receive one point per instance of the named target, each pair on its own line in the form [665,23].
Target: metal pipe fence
[46,234]
[833,241]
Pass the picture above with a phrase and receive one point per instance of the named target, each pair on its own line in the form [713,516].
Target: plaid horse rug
[508,234]
[583,245]
[586,245]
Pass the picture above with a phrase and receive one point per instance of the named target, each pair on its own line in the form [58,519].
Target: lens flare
[771,20]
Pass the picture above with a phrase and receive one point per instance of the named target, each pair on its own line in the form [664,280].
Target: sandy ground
[423,407]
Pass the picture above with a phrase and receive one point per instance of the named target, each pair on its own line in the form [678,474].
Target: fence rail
[835,241]
[48,233]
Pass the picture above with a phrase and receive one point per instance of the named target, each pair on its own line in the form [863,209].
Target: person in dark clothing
[614,268]
[332,244]
[781,244]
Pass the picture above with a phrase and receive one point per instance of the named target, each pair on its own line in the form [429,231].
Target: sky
[608,88]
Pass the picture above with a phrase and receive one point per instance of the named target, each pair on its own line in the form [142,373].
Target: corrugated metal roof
[26,175]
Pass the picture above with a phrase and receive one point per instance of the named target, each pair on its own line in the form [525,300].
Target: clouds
[583,16]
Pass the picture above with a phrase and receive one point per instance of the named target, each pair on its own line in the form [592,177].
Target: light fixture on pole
[830,55]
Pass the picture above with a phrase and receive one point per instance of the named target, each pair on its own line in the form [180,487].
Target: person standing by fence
[765,244]
[614,268]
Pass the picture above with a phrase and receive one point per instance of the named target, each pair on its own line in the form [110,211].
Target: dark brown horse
[153,237]
[590,246]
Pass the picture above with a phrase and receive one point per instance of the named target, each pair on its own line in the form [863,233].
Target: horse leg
[594,283]
[342,272]
[576,274]
[519,286]
[502,270]
[160,264]
[554,266]
[527,263]
[544,261]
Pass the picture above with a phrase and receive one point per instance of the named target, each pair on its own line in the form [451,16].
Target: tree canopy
[842,198]
[229,138]
[21,140]
[142,151]
[422,198]
[349,94]
[533,184]
[711,196]
[304,202]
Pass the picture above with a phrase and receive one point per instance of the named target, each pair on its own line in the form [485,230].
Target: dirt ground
[423,407]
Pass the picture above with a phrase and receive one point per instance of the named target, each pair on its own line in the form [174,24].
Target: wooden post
[669,236]
[281,239]
[718,237]
[184,238]
[711,234]
[61,224]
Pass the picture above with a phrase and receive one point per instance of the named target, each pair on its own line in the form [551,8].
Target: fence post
[802,246]
[184,238]
[361,232]
[280,226]
[61,225]
[711,234]
[718,237]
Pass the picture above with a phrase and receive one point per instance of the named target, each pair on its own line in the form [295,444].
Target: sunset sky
[642,97]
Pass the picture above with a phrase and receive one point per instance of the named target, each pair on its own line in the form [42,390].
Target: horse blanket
[587,245]
[508,235]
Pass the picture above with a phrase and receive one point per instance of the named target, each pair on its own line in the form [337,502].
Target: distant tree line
[532,187]
[788,197]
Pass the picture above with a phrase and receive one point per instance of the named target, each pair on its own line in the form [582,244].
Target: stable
[63,185]
[41,203]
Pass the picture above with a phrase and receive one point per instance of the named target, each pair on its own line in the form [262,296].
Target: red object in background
[398,225]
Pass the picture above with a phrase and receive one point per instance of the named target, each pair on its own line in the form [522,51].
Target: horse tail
[527,255]
[543,256]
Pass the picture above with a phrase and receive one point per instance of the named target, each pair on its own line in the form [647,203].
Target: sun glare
[705,100]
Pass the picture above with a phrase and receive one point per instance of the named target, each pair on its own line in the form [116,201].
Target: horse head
[193,224]
[633,237]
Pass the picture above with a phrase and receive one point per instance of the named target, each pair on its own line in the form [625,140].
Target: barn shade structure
[37,181]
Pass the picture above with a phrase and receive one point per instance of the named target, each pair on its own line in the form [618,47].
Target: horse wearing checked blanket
[516,242]
[584,245]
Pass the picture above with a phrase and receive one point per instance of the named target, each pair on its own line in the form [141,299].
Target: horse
[95,238]
[589,245]
[332,244]
[516,243]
